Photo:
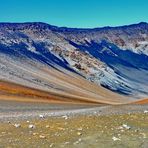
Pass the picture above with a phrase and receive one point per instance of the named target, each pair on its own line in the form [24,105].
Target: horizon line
[107,26]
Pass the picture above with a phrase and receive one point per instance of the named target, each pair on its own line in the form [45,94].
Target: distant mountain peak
[143,23]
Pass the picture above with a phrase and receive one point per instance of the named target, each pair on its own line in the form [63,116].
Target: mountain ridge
[49,26]
[107,57]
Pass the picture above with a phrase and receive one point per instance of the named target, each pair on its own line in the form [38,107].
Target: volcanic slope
[73,64]
[24,80]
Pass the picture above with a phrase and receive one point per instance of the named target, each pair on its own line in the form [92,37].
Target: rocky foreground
[112,126]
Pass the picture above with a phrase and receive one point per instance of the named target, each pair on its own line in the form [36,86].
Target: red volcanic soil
[143,101]
[16,92]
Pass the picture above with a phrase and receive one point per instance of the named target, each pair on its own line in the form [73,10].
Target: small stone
[120,127]
[66,142]
[17,125]
[41,116]
[80,129]
[31,126]
[27,121]
[79,140]
[145,111]
[65,117]
[34,134]
[76,142]
[116,139]
[126,126]
[95,112]
[10,141]
[51,145]
[42,136]
[136,130]
[144,135]
[79,133]
[61,128]
[47,126]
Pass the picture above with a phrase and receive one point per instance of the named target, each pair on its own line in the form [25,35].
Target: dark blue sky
[75,13]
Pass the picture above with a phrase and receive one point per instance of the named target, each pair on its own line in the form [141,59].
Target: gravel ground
[35,125]
[19,110]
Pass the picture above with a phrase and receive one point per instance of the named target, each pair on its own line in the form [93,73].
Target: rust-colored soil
[12,91]
[143,101]
[15,92]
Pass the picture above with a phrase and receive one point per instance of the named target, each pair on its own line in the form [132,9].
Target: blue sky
[75,13]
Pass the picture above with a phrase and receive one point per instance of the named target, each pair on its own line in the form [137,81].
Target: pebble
[80,129]
[51,145]
[136,130]
[34,134]
[47,126]
[65,117]
[79,140]
[17,125]
[126,126]
[79,133]
[42,136]
[146,111]
[31,126]
[41,116]
[61,128]
[66,142]
[116,139]
[144,135]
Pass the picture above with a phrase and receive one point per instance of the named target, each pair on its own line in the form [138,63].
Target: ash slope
[60,60]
